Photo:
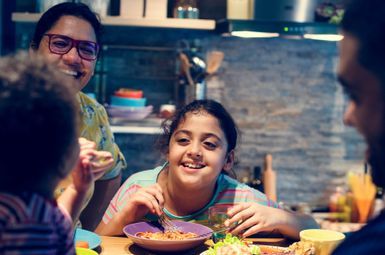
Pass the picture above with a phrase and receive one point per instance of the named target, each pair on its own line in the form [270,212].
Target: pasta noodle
[168,235]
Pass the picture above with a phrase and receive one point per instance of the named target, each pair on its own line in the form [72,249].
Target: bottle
[180,10]
[335,200]
[192,10]
[269,178]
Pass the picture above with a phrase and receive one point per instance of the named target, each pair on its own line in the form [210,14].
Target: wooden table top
[123,246]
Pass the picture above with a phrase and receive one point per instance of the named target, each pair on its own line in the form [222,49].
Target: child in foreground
[199,144]
[39,147]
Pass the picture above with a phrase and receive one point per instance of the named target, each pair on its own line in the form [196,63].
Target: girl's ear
[229,161]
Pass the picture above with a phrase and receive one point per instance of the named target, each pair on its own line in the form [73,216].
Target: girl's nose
[349,118]
[194,152]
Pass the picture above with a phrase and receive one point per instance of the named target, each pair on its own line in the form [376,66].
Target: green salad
[231,240]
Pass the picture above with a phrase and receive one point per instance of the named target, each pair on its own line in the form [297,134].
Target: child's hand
[149,199]
[99,161]
[253,218]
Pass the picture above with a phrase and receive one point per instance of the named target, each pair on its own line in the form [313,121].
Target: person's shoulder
[27,206]
[367,240]
[231,182]
[88,101]
[145,175]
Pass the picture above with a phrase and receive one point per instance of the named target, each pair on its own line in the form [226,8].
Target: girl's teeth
[193,166]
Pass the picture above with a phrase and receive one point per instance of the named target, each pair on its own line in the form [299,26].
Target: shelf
[197,24]
[136,130]
[149,125]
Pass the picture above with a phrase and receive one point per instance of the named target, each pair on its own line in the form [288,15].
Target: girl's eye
[210,145]
[182,140]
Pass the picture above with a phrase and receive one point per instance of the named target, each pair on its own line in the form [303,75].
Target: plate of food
[233,245]
[150,235]
[86,239]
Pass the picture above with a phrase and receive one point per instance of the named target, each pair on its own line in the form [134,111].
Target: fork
[167,224]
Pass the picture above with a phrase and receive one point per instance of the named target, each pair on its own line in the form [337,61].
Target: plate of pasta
[151,236]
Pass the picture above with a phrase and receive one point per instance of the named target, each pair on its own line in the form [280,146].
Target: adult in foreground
[361,73]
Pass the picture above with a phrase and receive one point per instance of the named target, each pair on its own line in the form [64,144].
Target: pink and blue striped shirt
[228,192]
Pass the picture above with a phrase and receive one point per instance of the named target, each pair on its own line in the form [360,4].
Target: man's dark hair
[52,15]
[365,20]
[39,121]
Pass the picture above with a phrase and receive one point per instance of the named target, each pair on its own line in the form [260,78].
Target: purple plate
[167,245]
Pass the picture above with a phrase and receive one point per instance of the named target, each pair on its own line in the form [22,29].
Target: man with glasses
[68,35]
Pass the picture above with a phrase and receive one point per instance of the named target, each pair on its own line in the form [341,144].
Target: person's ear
[229,161]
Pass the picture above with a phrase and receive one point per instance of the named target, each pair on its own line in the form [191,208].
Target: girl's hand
[253,218]
[148,199]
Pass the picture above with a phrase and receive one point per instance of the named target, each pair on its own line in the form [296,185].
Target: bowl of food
[150,235]
[324,241]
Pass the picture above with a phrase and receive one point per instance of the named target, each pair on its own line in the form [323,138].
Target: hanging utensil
[186,67]
[214,61]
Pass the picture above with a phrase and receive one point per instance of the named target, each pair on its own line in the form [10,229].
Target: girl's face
[71,63]
[198,152]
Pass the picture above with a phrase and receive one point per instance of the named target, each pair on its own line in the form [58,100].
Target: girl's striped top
[228,192]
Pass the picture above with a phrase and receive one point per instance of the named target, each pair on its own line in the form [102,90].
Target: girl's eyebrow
[205,135]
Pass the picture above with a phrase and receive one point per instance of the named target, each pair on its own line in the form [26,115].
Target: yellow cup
[324,241]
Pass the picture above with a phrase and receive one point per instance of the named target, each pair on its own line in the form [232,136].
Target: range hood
[288,29]
[273,18]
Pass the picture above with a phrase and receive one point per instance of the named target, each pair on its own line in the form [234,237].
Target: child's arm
[91,165]
[75,195]
[254,218]
[148,199]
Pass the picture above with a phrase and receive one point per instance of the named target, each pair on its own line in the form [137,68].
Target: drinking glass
[217,217]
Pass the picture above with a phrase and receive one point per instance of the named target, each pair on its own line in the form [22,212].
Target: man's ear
[229,161]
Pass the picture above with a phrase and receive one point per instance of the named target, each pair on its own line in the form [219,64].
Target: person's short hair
[209,106]
[365,20]
[52,15]
[39,121]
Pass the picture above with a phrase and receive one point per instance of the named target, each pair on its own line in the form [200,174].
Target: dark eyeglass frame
[74,43]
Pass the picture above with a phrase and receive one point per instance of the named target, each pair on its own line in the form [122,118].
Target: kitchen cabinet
[196,24]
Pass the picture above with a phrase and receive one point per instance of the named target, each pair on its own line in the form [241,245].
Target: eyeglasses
[61,44]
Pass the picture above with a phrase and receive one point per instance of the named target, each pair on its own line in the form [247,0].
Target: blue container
[128,102]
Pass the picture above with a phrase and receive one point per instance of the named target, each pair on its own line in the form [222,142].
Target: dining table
[123,245]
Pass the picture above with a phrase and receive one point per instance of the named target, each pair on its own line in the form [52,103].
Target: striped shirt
[30,224]
[228,192]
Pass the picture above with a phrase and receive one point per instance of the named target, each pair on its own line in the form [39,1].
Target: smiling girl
[199,144]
